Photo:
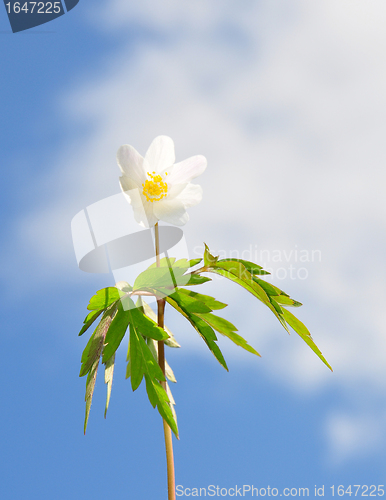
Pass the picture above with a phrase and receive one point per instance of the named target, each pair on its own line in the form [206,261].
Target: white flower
[156,187]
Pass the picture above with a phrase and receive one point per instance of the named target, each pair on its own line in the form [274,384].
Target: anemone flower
[155,186]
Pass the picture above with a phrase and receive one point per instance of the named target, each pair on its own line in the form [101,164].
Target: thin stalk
[161,362]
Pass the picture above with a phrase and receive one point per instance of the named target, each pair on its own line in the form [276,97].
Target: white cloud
[287,102]
[352,435]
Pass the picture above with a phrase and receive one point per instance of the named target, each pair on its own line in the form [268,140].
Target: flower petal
[186,170]
[190,196]
[143,210]
[175,190]
[145,218]
[131,164]
[127,183]
[160,155]
[171,211]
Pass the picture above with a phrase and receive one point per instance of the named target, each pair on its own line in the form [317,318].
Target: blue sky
[286,100]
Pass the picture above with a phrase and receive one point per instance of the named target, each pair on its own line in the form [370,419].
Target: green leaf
[278,309]
[90,385]
[269,289]
[136,360]
[151,394]
[191,304]
[116,332]
[169,374]
[195,279]
[164,262]
[182,263]
[243,278]
[89,320]
[142,360]
[273,291]
[280,297]
[128,359]
[238,269]
[165,274]
[153,346]
[143,364]
[145,325]
[211,302]
[104,298]
[170,274]
[250,266]
[206,332]
[161,277]
[244,273]
[150,276]
[152,367]
[108,336]
[209,259]
[158,397]
[194,262]
[109,372]
[303,332]
[287,301]
[226,328]
[91,356]
[171,341]
[172,403]
[94,347]
[219,324]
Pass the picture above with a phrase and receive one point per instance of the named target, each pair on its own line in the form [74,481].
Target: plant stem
[161,362]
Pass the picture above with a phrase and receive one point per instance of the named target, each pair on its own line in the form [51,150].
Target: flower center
[155,189]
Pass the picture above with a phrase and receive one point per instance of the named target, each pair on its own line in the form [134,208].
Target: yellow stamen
[154,189]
